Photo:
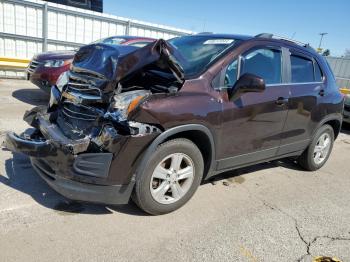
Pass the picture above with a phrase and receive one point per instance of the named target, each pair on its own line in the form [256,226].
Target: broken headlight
[126,102]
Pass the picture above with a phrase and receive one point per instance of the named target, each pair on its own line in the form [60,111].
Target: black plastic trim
[18,144]
[293,147]
[232,162]
[335,116]
[93,164]
[111,194]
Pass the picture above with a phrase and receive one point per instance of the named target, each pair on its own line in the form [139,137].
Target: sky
[302,20]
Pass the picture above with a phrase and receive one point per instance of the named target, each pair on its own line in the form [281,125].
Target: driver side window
[227,77]
[231,74]
[263,62]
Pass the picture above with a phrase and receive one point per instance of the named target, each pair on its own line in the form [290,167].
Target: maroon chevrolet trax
[45,68]
[152,123]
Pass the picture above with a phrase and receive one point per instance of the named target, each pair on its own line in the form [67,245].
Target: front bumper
[75,171]
[44,155]
[106,194]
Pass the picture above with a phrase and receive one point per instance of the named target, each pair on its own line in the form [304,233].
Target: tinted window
[318,73]
[110,41]
[231,74]
[139,44]
[302,69]
[265,63]
[199,50]
[113,41]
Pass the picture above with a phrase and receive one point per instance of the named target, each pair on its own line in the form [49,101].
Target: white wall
[65,24]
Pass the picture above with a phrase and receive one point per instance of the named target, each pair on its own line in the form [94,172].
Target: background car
[45,68]
[346,116]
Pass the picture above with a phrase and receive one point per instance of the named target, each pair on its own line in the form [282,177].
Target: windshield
[199,51]
[110,41]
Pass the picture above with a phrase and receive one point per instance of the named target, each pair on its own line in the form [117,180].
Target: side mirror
[246,83]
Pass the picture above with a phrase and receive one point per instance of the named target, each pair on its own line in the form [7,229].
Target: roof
[265,36]
[234,36]
[128,37]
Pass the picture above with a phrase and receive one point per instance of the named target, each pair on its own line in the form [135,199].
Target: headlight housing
[126,102]
[55,63]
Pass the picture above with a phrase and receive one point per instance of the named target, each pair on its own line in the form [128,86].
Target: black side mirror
[246,83]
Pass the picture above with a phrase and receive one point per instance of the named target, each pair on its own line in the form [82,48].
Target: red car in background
[45,68]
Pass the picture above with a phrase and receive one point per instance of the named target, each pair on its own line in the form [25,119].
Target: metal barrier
[341,69]
[13,67]
[13,63]
[28,27]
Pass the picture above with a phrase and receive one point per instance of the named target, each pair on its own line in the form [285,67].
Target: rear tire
[171,177]
[318,152]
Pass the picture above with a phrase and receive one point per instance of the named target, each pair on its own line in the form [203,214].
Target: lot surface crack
[308,244]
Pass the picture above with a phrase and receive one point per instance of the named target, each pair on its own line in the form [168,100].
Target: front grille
[79,85]
[32,66]
[79,112]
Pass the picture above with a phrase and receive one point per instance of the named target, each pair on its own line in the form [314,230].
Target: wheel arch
[200,135]
[335,121]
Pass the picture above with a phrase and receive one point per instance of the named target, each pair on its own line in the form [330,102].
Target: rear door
[306,88]
[252,124]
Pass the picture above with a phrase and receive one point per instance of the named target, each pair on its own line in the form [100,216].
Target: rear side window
[302,69]
[265,63]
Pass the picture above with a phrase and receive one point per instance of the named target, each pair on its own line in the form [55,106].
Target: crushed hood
[115,63]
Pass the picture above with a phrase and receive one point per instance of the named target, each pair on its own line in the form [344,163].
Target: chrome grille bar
[32,66]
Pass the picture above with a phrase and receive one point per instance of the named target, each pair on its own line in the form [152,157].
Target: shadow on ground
[34,97]
[22,177]
[346,128]
[237,174]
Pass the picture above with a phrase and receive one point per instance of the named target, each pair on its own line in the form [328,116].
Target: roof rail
[205,33]
[267,35]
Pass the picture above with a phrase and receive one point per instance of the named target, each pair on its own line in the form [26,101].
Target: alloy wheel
[172,178]
[321,149]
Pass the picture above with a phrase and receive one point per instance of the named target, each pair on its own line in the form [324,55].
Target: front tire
[318,152]
[171,177]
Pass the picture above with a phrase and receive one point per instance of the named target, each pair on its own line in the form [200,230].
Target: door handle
[281,101]
[321,93]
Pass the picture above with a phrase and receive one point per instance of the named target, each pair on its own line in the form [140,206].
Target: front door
[252,124]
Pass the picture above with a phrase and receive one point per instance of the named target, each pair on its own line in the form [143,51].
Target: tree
[326,52]
[347,53]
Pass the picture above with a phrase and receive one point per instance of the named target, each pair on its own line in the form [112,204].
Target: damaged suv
[152,123]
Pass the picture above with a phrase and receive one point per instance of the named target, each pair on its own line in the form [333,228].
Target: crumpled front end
[95,165]
[85,144]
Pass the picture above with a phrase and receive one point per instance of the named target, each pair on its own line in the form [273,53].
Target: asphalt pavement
[269,212]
